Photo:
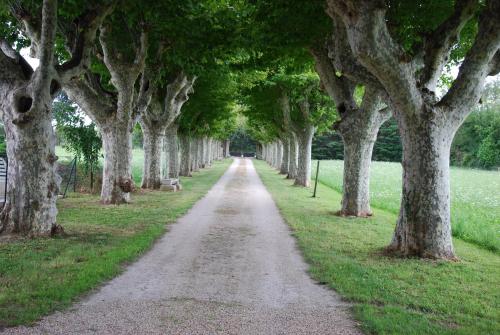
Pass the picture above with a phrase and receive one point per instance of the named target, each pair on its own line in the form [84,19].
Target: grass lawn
[39,276]
[137,161]
[390,296]
[475,198]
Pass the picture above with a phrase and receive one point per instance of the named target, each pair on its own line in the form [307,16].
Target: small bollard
[316,181]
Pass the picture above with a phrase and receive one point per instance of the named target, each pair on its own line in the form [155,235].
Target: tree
[112,106]
[407,50]
[159,115]
[293,107]
[303,30]
[26,100]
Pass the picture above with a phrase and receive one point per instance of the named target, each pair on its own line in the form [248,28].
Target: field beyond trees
[475,197]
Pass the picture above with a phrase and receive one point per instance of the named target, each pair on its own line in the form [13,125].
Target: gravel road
[229,266]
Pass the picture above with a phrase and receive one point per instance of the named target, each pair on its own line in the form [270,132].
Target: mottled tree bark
[171,151]
[423,226]
[201,163]
[152,143]
[25,103]
[194,155]
[258,151]
[117,171]
[185,164]
[204,151]
[226,148]
[305,137]
[292,165]
[358,125]
[210,151]
[285,158]
[113,112]
[163,108]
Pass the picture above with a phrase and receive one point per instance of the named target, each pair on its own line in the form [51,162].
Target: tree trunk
[423,228]
[201,163]
[304,161]
[117,180]
[285,158]
[204,154]
[358,128]
[32,181]
[152,143]
[185,165]
[194,155]
[292,165]
[209,149]
[279,154]
[171,151]
[226,149]
[356,182]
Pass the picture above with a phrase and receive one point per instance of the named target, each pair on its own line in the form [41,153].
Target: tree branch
[438,45]
[340,53]
[85,28]
[140,57]
[47,40]
[480,61]
[285,108]
[15,60]
[495,64]
[32,26]
[89,95]
[375,49]
[340,89]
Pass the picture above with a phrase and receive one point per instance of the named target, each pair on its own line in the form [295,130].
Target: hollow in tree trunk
[32,181]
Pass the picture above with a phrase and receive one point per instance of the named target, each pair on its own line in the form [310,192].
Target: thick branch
[285,108]
[140,56]
[144,95]
[32,26]
[340,53]
[44,72]
[89,96]
[11,60]
[123,72]
[495,64]
[438,45]
[85,28]
[477,65]
[375,49]
[340,89]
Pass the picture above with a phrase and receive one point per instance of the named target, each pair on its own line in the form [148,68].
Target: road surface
[229,266]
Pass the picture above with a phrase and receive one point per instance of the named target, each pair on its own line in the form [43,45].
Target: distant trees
[477,142]
[387,147]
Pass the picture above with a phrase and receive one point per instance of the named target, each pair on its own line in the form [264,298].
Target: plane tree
[296,107]
[305,26]
[207,117]
[61,37]
[407,47]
